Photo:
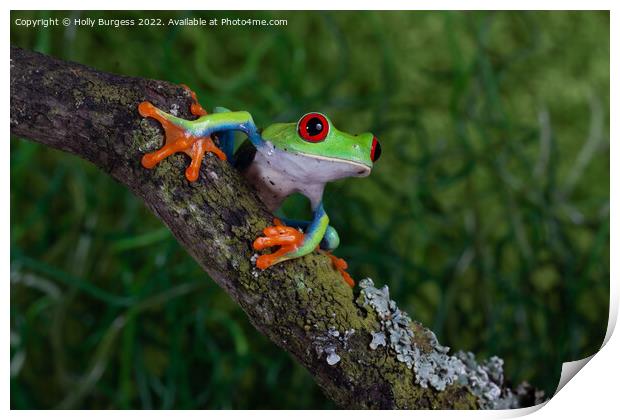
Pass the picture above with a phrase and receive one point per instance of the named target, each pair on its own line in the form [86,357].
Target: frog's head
[315,136]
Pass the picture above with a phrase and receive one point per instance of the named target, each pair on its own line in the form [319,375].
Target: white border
[593,393]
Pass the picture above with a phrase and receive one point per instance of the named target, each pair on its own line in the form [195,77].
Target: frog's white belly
[276,174]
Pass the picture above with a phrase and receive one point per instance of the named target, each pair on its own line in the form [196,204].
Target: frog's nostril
[375,150]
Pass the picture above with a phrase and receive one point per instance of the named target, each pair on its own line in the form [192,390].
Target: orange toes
[279,236]
[179,140]
[347,278]
[286,237]
[261,243]
[149,161]
[341,265]
[197,152]
[265,261]
[195,108]
[192,172]
[211,147]
[146,109]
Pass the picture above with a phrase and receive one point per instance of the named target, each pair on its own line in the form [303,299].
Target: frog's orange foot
[195,108]
[341,265]
[178,140]
[289,239]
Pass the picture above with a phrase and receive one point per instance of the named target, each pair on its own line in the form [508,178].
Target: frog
[278,161]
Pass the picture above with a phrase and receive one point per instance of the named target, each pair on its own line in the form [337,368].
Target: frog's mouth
[356,169]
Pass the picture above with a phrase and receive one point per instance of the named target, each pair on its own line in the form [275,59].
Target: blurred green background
[487,215]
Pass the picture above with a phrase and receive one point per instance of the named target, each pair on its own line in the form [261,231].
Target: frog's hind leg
[330,241]
[341,266]
[179,139]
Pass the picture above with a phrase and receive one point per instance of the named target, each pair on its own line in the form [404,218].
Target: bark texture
[302,305]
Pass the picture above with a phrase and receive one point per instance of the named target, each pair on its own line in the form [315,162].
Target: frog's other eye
[375,150]
[313,127]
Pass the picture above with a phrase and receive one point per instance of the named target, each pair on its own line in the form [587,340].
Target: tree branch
[302,305]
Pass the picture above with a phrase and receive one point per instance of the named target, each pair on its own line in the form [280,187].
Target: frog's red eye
[313,127]
[375,150]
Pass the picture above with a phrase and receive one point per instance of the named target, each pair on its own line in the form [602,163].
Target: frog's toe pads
[341,266]
[289,239]
[179,140]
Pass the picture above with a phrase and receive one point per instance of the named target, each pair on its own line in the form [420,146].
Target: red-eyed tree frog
[281,160]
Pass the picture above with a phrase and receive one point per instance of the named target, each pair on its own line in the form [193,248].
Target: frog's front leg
[293,243]
[330,240]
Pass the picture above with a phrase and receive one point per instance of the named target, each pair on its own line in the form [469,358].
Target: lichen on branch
[433,367]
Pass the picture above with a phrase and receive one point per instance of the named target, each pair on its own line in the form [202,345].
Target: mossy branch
[302,305]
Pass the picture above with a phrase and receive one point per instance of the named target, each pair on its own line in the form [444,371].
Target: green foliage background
[487,215]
